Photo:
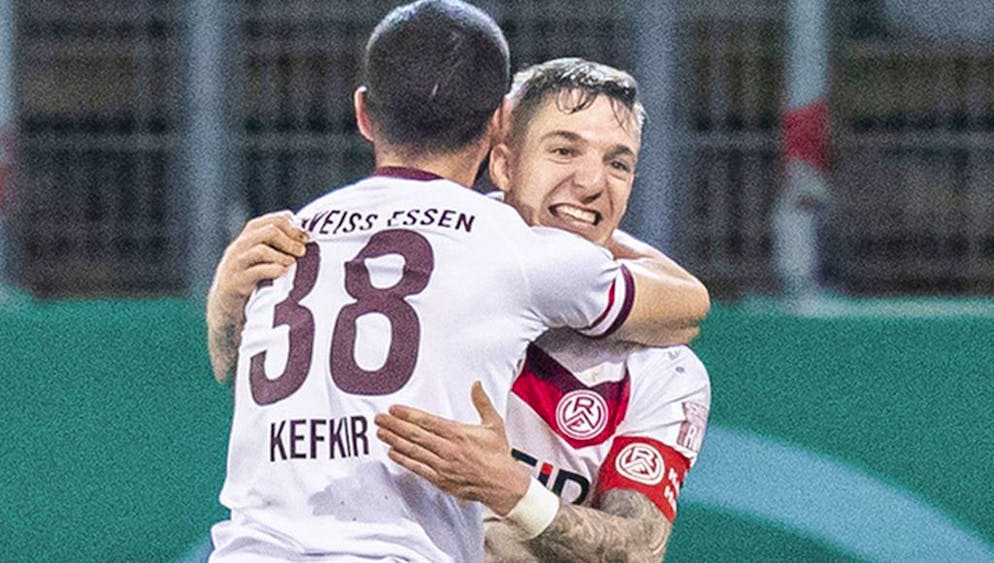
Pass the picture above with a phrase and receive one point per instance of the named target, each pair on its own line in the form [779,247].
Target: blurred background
[825,166]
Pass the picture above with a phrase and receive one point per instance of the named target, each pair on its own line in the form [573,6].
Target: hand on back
[265,249]
[469,461]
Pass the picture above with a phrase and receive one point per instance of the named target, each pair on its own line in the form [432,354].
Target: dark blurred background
[144,132]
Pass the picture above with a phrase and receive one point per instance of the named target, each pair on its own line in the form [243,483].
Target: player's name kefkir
[343,221]
[318,438]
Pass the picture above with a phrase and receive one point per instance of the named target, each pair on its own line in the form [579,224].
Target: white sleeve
[575,283]
[670,400]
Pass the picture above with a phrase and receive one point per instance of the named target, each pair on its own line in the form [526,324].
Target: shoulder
[332,196]
[561,250]
[564,238]
[664,375]
[670,362]
[670,398]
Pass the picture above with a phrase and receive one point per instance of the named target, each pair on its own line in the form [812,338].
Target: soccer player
[609,429]
[408,282]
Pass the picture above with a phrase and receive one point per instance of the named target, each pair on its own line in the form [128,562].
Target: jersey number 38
[405,326]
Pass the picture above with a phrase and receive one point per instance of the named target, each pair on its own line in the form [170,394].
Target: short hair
[576,84]
[435,72]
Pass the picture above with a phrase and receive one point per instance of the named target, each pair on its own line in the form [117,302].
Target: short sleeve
[664,428]
[671,398]
[575,283]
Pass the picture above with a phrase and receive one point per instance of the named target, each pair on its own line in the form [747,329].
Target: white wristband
[534,512]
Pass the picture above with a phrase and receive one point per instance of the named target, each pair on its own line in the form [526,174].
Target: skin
[579,167]
[579,170]
[574,172]
[669,313]
[264,250]
[270,244]
[473,462]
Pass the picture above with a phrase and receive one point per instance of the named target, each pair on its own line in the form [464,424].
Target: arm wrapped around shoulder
[670,302]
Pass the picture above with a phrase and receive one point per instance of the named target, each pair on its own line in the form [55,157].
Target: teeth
[576,213]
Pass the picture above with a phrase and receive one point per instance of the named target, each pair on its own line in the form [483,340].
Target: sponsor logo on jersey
[581,414]
[692,429]
[642,463]
[570,486]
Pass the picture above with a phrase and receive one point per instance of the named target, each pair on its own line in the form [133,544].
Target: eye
[622,166]
[563,151]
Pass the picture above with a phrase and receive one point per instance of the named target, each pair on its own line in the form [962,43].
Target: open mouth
[576,214]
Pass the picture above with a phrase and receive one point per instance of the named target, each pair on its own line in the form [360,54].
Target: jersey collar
[406,173]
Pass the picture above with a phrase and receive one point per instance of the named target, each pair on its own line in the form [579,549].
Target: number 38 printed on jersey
[405,326]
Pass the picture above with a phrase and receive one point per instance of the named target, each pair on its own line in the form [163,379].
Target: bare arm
[670,302]
[223,338]
[625,527]
[264,250]
[473,462]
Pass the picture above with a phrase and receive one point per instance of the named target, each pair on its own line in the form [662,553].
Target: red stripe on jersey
[610,303]
[580,415]
[626,306]
[647,466]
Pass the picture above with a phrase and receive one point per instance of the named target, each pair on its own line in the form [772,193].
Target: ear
[500,167]
[361,116]
[500,155]
[502,119]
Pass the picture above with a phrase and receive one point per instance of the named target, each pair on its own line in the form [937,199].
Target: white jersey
[592,417]
[410,290]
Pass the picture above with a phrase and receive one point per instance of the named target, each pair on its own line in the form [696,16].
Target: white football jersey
[589,417]
[411,288]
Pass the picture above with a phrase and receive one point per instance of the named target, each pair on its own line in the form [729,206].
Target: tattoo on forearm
[223,348]
[627,527]
[230,351]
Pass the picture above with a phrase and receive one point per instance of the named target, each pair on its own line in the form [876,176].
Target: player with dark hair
[443,98]
[610,428]
[408,283]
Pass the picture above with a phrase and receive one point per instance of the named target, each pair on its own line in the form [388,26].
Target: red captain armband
[647,466]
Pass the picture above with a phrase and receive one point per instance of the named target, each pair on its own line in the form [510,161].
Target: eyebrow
[621,150]
[568,135]
[618,150]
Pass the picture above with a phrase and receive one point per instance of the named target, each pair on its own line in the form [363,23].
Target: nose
[589,178]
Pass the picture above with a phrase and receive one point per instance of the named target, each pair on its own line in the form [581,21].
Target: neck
[460,167]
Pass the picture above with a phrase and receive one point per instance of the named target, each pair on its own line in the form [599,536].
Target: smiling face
[571,170]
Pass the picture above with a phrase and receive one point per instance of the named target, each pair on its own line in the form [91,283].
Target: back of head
[435,72]
[574,84]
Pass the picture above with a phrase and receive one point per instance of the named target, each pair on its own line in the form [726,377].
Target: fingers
[484,406]
[279,234]
[262,272]
[280,218]
[269,239]
[415,467]
[431,423]
[409,448]
[262,254]
[401,430]
[437,470]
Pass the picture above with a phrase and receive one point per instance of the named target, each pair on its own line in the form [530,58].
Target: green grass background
[115,432]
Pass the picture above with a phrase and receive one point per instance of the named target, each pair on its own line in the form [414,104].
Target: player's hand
[468,461]
[264,250]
